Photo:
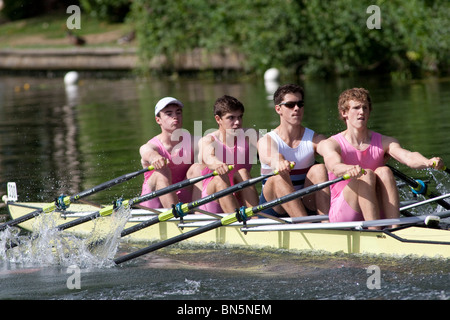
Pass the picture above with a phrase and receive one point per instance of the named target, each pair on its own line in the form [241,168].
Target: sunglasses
[292,104]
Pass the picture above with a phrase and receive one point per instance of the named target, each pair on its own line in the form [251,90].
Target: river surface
[56,140]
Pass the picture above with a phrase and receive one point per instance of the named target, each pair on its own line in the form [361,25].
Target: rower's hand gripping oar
[180,210]
[130,202]
[63,202]
[241,215]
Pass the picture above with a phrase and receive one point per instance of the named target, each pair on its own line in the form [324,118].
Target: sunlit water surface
[56,140]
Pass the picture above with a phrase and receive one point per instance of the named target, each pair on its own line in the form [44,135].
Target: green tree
[311,37]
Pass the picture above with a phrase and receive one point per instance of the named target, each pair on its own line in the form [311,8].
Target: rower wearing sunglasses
[292,144]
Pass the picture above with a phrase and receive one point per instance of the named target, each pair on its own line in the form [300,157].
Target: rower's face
[230,120]
[357,114]
[171,117]
[291,109]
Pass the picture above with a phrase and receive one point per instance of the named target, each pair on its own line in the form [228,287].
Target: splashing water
[48,246]
[107,232]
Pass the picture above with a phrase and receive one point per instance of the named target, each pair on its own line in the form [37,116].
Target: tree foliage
[312,37]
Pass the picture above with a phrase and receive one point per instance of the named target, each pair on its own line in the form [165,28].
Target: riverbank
[44,44]
[109,59]
[53,59]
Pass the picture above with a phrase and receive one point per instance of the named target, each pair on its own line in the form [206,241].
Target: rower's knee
[384,173]
[317,173]
[160,178]
[369,177]
[241,175]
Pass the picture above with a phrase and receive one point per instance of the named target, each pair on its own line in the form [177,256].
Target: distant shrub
[22,9]
[107,10]
[311,37]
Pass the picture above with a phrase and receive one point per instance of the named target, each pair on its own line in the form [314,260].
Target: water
[56,140]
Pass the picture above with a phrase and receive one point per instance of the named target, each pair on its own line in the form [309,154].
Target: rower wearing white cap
[171,154]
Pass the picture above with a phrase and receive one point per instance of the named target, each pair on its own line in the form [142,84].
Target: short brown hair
[278,96]
[227,104]
[356,94]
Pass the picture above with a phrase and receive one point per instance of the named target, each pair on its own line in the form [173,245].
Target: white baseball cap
[164,102]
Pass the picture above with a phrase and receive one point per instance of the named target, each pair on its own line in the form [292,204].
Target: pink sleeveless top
[239,156]
[179,164]
[370,158]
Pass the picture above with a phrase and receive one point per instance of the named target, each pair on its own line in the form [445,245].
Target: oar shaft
[21,219]
[69,199]
[78,221]
[162,244]
[166,215]
[109,209]
[110,183]
[421,203]
[225,221]
[139,226]
[296,194]
[414,184]
[235,188]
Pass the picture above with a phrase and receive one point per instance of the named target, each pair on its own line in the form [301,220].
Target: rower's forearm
[415,160]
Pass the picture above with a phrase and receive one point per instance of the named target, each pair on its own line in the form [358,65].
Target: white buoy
[71,78]
[271,77]
[271,74]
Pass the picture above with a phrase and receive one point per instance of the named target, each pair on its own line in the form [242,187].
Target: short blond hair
[357,94]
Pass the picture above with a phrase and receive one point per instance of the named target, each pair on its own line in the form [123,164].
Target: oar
[446,169]
[421,203]
[129,203]
[181,209]
[419,187]
[240,215]
[64,202]
[109,209]
[359,225]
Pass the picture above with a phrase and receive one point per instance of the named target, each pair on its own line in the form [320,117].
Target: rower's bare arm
[317,138]
[331,152]
[411,159]
[207,151]
[268,152]
[150,156]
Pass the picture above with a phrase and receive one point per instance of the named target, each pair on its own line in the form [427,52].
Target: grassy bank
[50,31]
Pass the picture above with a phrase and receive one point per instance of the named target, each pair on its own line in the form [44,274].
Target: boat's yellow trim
[336,240]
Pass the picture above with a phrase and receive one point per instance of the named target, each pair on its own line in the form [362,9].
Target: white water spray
[48,246]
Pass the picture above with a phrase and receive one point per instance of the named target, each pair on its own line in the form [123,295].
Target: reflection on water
[62,140]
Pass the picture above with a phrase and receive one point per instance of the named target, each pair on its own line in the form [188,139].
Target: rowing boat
[412,238]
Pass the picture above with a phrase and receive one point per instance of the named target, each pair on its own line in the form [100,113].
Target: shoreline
[111,59]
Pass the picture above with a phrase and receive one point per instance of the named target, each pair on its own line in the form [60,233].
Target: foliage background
[308,37]
[312,37]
